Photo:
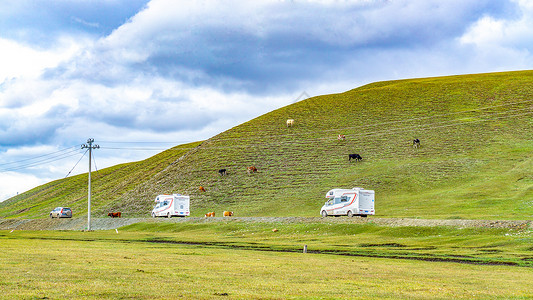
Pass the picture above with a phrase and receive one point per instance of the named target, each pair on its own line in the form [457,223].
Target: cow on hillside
[115,214]
[416,143]
[355,156]
[290,122]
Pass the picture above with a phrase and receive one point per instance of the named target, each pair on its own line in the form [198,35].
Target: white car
[61,212]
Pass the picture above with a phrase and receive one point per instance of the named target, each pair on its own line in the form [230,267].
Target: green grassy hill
[475,159]
[107,186]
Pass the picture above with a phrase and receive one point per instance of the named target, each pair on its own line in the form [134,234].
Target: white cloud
[12,183]
[18,60]
[501,44]
[514,32]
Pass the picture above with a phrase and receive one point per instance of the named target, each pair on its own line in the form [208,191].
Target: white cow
[290,122]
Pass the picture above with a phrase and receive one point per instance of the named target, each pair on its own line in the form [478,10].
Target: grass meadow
[251,261]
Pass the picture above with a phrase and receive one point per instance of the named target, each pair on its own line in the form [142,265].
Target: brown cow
[210,214]
[228,213]
[115,215]
[251,169]
[202,189]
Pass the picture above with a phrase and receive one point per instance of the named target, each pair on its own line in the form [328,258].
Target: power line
[77,163]
[146,142]
[39,156]
[128,148]
[94,160]
[40,162]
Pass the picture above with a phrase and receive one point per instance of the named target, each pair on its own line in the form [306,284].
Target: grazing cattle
[354,156]
[115,215]
[228,213]
[222,172]
[202,189]
[290,122]
[416,143]
[341,137]
[251,169]
[210,214]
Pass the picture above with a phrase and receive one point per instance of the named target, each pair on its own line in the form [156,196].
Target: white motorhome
[346,202]
[175,205]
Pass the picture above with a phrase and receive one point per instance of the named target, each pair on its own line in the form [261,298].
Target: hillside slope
[107,185]
[475,159]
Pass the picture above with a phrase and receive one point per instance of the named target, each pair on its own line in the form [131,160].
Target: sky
[142,76]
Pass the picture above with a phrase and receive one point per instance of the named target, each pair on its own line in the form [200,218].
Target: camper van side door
[337,206]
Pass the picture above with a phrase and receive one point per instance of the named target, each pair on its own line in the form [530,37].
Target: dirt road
[114,223]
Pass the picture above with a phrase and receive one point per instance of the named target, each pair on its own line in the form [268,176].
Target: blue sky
[138,75]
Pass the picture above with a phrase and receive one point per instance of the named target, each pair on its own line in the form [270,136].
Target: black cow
[222,172]
[354,156]
[416,143]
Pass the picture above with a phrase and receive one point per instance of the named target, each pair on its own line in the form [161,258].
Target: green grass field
[474,162]
[237,260]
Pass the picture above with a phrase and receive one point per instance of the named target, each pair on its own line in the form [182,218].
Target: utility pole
[89,146]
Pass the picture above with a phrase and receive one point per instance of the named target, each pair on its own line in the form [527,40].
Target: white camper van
[171,205]
[346,202]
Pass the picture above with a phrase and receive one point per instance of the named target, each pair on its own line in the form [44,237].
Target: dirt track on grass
[115,223]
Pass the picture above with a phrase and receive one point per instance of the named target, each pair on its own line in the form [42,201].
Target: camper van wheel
[169,215]
[324,214]
[350,214]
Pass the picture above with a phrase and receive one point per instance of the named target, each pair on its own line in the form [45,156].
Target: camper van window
[330,202]
[344,199]
[181,206]
[337,200]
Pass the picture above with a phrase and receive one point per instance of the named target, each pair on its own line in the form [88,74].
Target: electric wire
[70,149]
[77,163]
[94,161]
[40,162]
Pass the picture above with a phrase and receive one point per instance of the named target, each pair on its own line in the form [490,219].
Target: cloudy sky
[141,76]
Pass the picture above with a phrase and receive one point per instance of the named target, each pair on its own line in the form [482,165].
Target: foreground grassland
[250,261]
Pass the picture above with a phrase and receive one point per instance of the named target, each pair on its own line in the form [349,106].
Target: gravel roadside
[114,223]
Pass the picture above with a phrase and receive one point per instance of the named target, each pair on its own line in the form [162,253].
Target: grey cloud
[278,49]
[34,132]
